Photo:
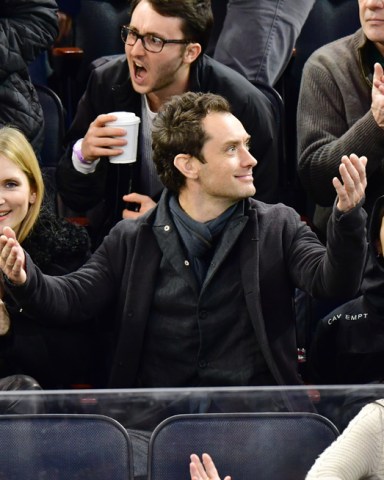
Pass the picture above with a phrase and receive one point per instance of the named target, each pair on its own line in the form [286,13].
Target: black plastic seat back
[63,447]
[244,445]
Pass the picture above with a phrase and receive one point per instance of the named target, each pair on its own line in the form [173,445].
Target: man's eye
[153,40]
[232,148]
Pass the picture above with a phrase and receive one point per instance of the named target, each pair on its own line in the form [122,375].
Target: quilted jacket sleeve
[26,29]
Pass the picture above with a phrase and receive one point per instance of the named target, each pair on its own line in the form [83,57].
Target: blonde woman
[21,193]
[55,357]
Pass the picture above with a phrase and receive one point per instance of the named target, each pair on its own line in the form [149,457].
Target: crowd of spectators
[199,205]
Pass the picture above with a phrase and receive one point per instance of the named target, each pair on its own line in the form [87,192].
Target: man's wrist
[79,155]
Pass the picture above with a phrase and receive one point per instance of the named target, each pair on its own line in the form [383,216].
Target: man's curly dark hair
[178,129]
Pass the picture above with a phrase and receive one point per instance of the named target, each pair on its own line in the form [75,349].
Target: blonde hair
[16,148]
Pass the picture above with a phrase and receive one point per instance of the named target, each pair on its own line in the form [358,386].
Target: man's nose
[138,47]
[375,3]
[248,158]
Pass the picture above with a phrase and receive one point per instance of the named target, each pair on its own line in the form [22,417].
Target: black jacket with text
[348,346]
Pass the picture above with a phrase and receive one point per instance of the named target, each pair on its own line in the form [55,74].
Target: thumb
[378,71]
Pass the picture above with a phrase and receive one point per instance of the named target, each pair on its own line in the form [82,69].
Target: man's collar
[369,55]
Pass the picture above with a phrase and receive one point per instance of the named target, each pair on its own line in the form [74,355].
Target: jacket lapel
[135,311]
[250,273]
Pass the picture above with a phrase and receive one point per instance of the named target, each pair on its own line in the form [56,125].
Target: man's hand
[204,470]
[377,105]
[99,138]
[12,257]
[351,189]
[144,202]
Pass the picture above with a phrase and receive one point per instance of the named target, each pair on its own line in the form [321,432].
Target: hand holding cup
[130,122]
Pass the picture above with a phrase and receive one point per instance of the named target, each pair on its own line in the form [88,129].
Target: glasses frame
[125,31]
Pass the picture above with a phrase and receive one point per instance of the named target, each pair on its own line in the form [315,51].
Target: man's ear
[186,165]
[192,51]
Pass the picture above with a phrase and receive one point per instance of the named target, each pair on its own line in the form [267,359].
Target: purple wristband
[77,152]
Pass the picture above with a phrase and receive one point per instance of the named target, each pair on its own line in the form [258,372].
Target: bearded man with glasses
[164,45]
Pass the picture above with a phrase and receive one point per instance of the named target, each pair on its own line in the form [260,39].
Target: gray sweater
[334,119]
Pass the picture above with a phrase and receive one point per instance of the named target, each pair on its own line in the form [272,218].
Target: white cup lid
[124,118]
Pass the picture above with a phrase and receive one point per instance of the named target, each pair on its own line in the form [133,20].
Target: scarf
[199,238]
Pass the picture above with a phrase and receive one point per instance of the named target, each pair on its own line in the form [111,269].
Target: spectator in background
[153,69]
[27,28]
[258,36]
[41,70]
[341,109]
[348,346]
[68,10]
[357,453]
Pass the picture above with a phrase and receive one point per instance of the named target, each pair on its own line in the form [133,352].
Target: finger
[6,246]
[200,470]
[377,72]
[194,473]
[102,119]
[113,132]
[134,197]
[106,136]
[9,261]
[360,164]
[16,264]
[130,214]
[9,233]
[347,174]
[209,466]
[352,172]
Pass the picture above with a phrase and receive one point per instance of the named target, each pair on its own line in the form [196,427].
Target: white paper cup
[130,122]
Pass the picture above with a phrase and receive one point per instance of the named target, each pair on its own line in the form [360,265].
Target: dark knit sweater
[334,119]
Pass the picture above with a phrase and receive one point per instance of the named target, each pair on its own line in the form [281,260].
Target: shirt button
[203,364]
[203,314]
[186,263]
[167,228]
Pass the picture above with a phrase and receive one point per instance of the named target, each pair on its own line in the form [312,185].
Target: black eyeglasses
[150,42]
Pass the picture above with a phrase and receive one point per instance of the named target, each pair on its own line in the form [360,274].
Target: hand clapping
[12,257]
[351,189]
